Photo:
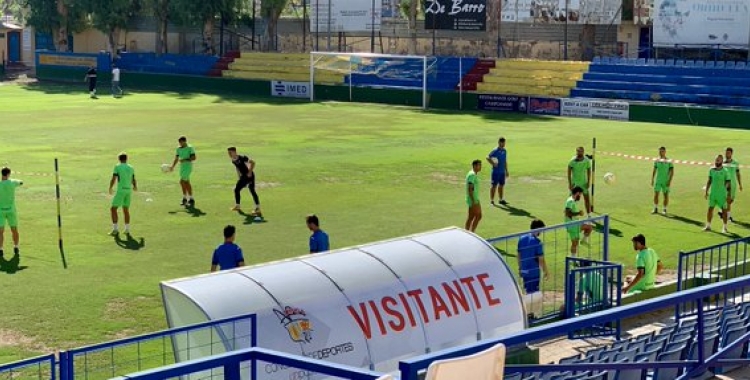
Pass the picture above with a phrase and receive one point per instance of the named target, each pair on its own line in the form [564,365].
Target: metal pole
[317,24]
[460,83]
[312,77]
[565,33]
[328,44]
[304,26]
[372,30]
[252,27]
[424,83]
[350,79]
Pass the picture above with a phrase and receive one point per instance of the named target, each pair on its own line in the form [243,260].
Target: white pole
[460,83]
[350,79]
[312,77]
[424,83]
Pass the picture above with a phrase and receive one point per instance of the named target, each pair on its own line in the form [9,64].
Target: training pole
[593,173]
[59,215]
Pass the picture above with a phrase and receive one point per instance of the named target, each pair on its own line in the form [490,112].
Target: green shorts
[9,217]
[661,188]
[584,187]
[185,170]
[640,286]
[720,201]
[122,199]
[733,190]
[574,232]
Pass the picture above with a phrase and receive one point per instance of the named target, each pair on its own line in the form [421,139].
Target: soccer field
[370,172]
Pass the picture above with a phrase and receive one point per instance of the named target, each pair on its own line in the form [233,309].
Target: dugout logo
[296,323]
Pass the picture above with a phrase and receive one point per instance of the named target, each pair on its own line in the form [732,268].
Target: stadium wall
[728,118]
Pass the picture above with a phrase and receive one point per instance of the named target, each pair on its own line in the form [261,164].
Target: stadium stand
[677,81]
[675,342]
[276,66]
[540,78]
[167,63]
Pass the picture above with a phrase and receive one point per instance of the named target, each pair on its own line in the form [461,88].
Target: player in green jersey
[185,155]
[8,214]
[124,175]
[661,179]
[733,167]
[472,196]
[571,214]
[648,264]
[719,185]
[579,175]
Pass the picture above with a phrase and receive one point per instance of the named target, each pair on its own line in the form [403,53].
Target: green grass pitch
[370,172]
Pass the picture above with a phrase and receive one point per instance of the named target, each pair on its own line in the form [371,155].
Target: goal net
[372,70]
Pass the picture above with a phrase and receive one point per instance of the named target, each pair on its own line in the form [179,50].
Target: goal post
[406,72]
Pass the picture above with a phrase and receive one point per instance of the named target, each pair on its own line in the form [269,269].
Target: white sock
[188,197]
[656,205]
[257,205]
[127,227]
[114,226]
[729,214]
[15,246]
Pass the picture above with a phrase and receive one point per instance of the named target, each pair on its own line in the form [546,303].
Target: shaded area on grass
[11,266]
[130,242]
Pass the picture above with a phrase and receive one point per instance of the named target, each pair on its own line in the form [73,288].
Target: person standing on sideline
[245,167]
[571,214]
[579,175]
[531,258]
[662,173]
[733,168]
[116,90]
[318,239]
[227,255]
[720,186]
[185,155]
[91,79]
[124,175]
[472,196]
[8,214]
[647,263]
[498,158]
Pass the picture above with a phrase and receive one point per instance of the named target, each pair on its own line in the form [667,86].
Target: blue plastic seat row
[167,63]
[670,62]
[662,97]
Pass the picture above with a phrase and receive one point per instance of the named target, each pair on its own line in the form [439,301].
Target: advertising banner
[344,15]
[290,89]
[503,103]
[597,12]
[544,106]
[594,108]
[697,22]
[467,15]
[70,60]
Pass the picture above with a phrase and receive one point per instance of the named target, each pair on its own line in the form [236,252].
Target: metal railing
[556,243]
[592,286]
[712,264]
[411,368]
[110,359]
[39,368]
[231,365]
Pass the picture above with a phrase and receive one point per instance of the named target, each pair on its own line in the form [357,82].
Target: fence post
[680,255]
[63,365]
[232,371]
[701,333]
[605,249]
[254,343]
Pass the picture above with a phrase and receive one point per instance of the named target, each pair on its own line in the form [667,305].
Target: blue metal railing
[410,368]
[592,286]
[41,367]
[556,243]
[231,363]
[711,264]
[103,357]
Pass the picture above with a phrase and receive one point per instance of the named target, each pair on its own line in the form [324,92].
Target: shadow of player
[683,219]
[11,266]
[130,242]
[515,211]
[251,218]
[612,231]
[192,211]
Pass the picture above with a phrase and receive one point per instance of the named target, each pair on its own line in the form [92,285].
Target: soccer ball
[494,161]
[165,168]
[610,178]
[587,228]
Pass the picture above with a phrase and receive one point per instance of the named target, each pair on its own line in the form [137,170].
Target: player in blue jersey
[498,158]
[531,258]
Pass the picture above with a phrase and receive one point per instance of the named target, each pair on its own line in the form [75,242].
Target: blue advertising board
[544,106]
[503,103]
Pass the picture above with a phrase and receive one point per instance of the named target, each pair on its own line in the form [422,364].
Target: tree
[57,17]
[111,17]
[160,9]
[410,8]
[271,10]
[205,13]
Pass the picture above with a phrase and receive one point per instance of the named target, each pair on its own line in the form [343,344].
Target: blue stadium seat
[569,359]
[679,62]
[597,59]
[720,64]
[710,64]
[690,63]
[640,61]
[668,373]
[729,64]
[741,65]
[710,346]
[700,63]
[651,62]
[661,62]
[649,355]
[740,352]
[633,374]
[515,376]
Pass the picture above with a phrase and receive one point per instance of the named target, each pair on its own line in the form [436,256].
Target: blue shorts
[498,178]
[531,284]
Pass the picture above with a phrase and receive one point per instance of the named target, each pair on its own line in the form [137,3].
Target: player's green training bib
[718,182]
[663,166]
[580,171]
[125,174]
